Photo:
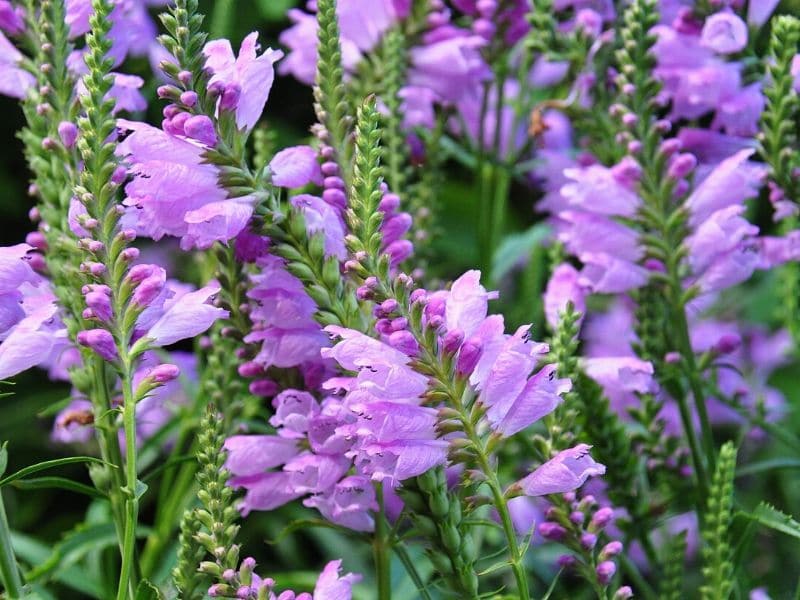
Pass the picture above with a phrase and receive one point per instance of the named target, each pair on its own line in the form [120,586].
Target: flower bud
[682,165]
[468,356]
[100,304]
[99,340]
[68,132]
[552,531]
[623,593]
[164,373]
[601,518]
[611,549]
[201,128]
[605,571]
[452,341]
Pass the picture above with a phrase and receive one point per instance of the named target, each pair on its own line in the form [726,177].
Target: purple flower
[186,317]
[322,218]
[382,370]
[295,167]
[395,441]
[348,504]
[283,315]
[101,341]
[332,586]
[73,424]
[724,33]
[600,190]
[254,454]
[265,491]
[731,182]
[451,67]
[250,75]
[467,303]
[173,192]
[566,472]
[12,18]
[14,81]
[362,24]
[759,11]
[564,286]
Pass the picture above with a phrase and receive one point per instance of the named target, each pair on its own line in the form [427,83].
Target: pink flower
[249,76]
[566,472]
[724,33]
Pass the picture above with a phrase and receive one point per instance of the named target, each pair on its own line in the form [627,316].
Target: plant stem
[221,18]
[127,576]
[8,563]
[498,497]
[402,554]
[381,547]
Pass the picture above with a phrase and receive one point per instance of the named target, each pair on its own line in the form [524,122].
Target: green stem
[502,183]
[8,563]
[127,583]
[402,554]
[693,377]
[381,547]
[498,498]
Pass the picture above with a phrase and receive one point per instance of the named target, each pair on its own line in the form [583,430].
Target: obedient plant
[510,311]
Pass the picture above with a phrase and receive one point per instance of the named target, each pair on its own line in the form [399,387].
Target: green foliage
[717,551]
[437,516]
[212,525]
[363,215]
[397,154]
[671,586]
[329,92]
[778,140]
[767,515]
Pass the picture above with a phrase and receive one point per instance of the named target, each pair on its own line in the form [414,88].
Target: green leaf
[3,458]
[54,408]
[298,524]
[141,488]
[516,247]
[49,464]
[63,483]
[768,465]
[769,516]
[274,10]
[147,591]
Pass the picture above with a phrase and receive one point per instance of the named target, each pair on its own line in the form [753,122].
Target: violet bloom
[283,317]
[566,472]
[12,18]
[348,504]
[14,81]
[322,218]
[383,371]
[450,67]
[132,32]
[395,441]
[173,192]
[295,167]
[185,317]
[564,287]
[724,33]
[333,586]
[362,24]
[248,78]
[30,330]
[500,365]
